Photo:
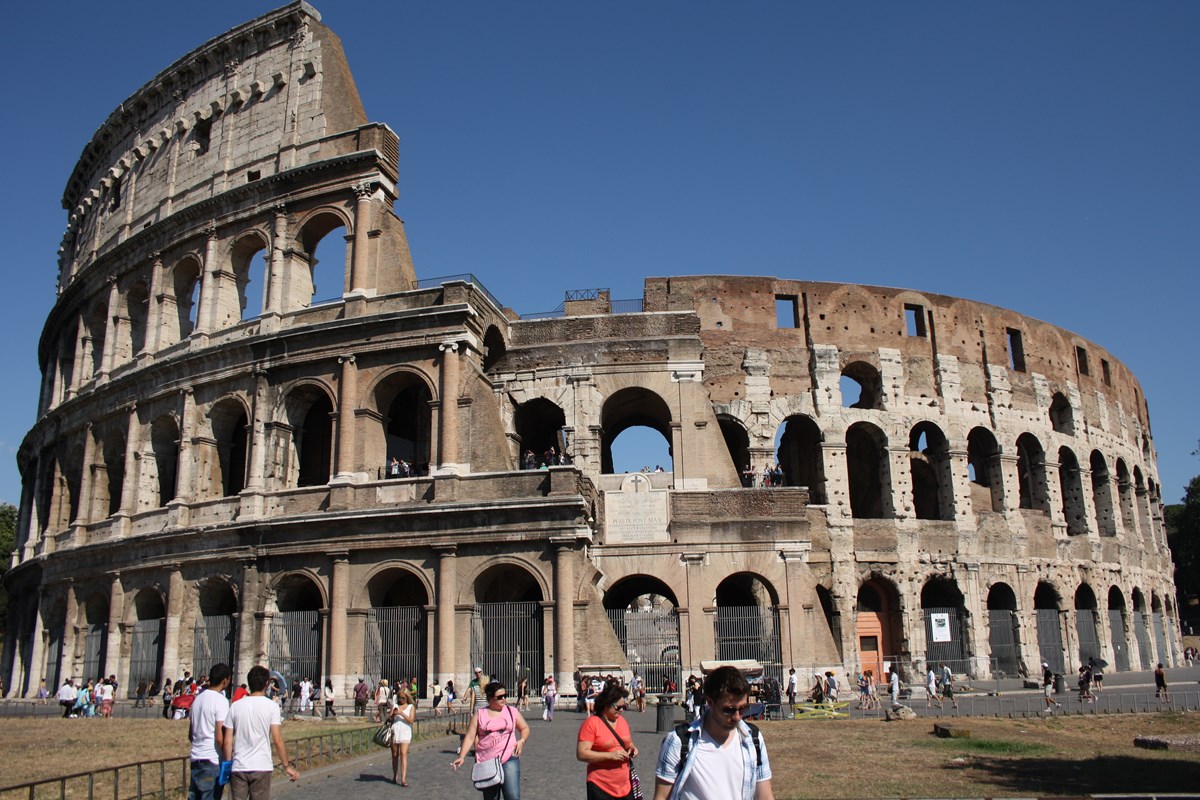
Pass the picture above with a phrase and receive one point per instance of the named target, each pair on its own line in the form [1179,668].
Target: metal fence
[650,641]
[395,643]
[506,640]
[1027,704]
[1143,638]
[750,632]
[214,641]
[1160,640]
[296,644]
[93,649]
[146,652]
[945,634]
[169,778]
[1085,627]
[1050,643]
[1116,625]
[1002,638]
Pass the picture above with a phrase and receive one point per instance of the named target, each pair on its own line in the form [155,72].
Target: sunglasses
[621,708]
[500,697]
[729,711]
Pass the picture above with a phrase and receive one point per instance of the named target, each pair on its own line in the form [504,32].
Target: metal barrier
[169,778]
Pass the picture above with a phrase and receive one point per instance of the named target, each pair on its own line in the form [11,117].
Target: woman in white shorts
[403,715]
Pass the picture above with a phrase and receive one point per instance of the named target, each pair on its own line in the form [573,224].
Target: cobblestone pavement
[549,770]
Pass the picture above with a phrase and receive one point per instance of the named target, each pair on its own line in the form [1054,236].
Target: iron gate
[750,632]
[650,641]
[146,656]
[54,657]
[1116,625]
[1160,639]
[214,641]
[1085,627]
[296,644]
[506,640]
[94,645]
[952,647]
[1143,638]
[1002,638]
[1050,642]
[395,644]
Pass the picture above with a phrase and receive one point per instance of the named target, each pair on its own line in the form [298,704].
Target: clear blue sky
[1040,156]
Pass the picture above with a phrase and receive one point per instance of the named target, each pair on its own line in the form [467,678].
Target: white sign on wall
[637,513]
[939,623]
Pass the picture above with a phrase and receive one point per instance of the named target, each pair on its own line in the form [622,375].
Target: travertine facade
[210,481]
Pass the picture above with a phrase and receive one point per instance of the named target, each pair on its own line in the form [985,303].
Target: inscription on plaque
[637,513]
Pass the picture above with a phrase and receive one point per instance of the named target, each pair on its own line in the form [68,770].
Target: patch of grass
[992,747]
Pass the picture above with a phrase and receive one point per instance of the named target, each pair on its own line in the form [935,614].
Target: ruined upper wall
[251,103]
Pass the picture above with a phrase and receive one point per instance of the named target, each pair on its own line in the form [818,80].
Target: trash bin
[666,713]
[1060,683]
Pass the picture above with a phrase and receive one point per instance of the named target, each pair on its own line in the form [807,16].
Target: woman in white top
[403,715]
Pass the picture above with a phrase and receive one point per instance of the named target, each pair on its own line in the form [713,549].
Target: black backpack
[685,743]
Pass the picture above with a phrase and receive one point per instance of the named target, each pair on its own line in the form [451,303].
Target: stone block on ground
[899,712]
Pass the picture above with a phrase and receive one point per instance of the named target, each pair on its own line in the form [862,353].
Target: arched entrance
[642,611]
[876,609]
[506,625]
[801,457]
[539,423]
[296,629]
[1160,639]
[867,470]
[1085,623]
[95,643]
[1047,603]
[215,636]
[145,658]
[747,622]
[1141,629]
[396,642]
[945,624]
[1003,631]
[1116,627]
[633,407]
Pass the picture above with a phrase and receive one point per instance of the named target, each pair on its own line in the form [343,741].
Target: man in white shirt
[206,732]
[252,727]
[305,695]
[66,697]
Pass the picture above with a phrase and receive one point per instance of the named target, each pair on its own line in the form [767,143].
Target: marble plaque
[637,514]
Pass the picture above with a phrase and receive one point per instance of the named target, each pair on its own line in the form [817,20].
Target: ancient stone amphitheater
[408,478]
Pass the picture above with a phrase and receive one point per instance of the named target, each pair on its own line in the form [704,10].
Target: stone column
[210,285]
[37,653]
[116,605]
[564,611]
[897,502]
[175,603]
[338,593]
[959,489]
[274,293]
[82,369]
[154,304]
[1006,474]
[247,603]
[347,399]
[447,589]
[362,223]
[448,461]
[85,482]
[185,472]
[129,481]
[110,328]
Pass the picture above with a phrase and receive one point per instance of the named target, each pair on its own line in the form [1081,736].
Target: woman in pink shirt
[497,730]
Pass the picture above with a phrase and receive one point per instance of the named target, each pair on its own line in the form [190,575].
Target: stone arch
[508,580]
[94,619]
[1003,630]
[1062,417]
[868,470]
[1125,498]
[747,621]
[506,623]
[833,618]
[396,629]
[215,624]
[298,590]
[149,622]
[1047,603]
[986,475]
[1031,473]
[308,281]
[802,457]
[1139,600]
[629,591]
[186,286]
[863,379]
[164,449]
[878,623]
[229,420]
[112,453]
[1070,483]
[737,442]
[1086,623]
[633,406]
[1102,495]
[96,324]
[308,408]
[929,464]
[137,310]
[947,637]
[642,611]
[295,648]
[539,424]
[403,399]
[494,348]
[396,584]
[251,278]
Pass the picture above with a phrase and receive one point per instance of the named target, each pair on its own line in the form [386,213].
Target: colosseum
[410,478]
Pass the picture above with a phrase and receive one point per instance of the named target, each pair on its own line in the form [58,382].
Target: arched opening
[747,622]
[1085,623]
[145,660]
[1102,495]
[801,456]
[867,468]
[309,412]
[251,274]
[186,281]
[323,279]
[137,305]
[1163,655]
[929,464]
[642,612]
[876,624]
[1071,485]
[1004,628]
[164,444]
[215,635]
[65,363]
[737,442]
[1047,603]
[635,408]
[407,421]
[833,618]
[1141,629]
[1145,521]
[861,386]
[95,643]
[494,348]
[296,629]
[946,624]
[230,428]
[1116,628]
[539,423]
[1062,418]
[113,485]
[397,627]
[97,329]
[1125,499]
[1031,473]
[984,472]
[506,624]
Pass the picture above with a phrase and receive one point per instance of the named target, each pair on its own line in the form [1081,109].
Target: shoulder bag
[383,736]
[635,783]
[491,772]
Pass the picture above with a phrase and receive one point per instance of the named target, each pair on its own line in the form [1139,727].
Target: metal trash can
[666,713]
[1060,683]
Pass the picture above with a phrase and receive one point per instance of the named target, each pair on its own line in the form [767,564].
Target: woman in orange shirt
[607,748]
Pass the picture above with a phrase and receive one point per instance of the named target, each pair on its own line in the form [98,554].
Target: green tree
[8,540]
[1183,537]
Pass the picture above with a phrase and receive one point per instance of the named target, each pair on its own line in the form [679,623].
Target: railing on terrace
[168,778]
[465,277]
[633,306]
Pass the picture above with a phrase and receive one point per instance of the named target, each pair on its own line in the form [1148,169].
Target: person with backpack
[711,741]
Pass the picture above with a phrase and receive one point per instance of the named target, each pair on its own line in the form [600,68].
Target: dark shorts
[594,792]
[251,785]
